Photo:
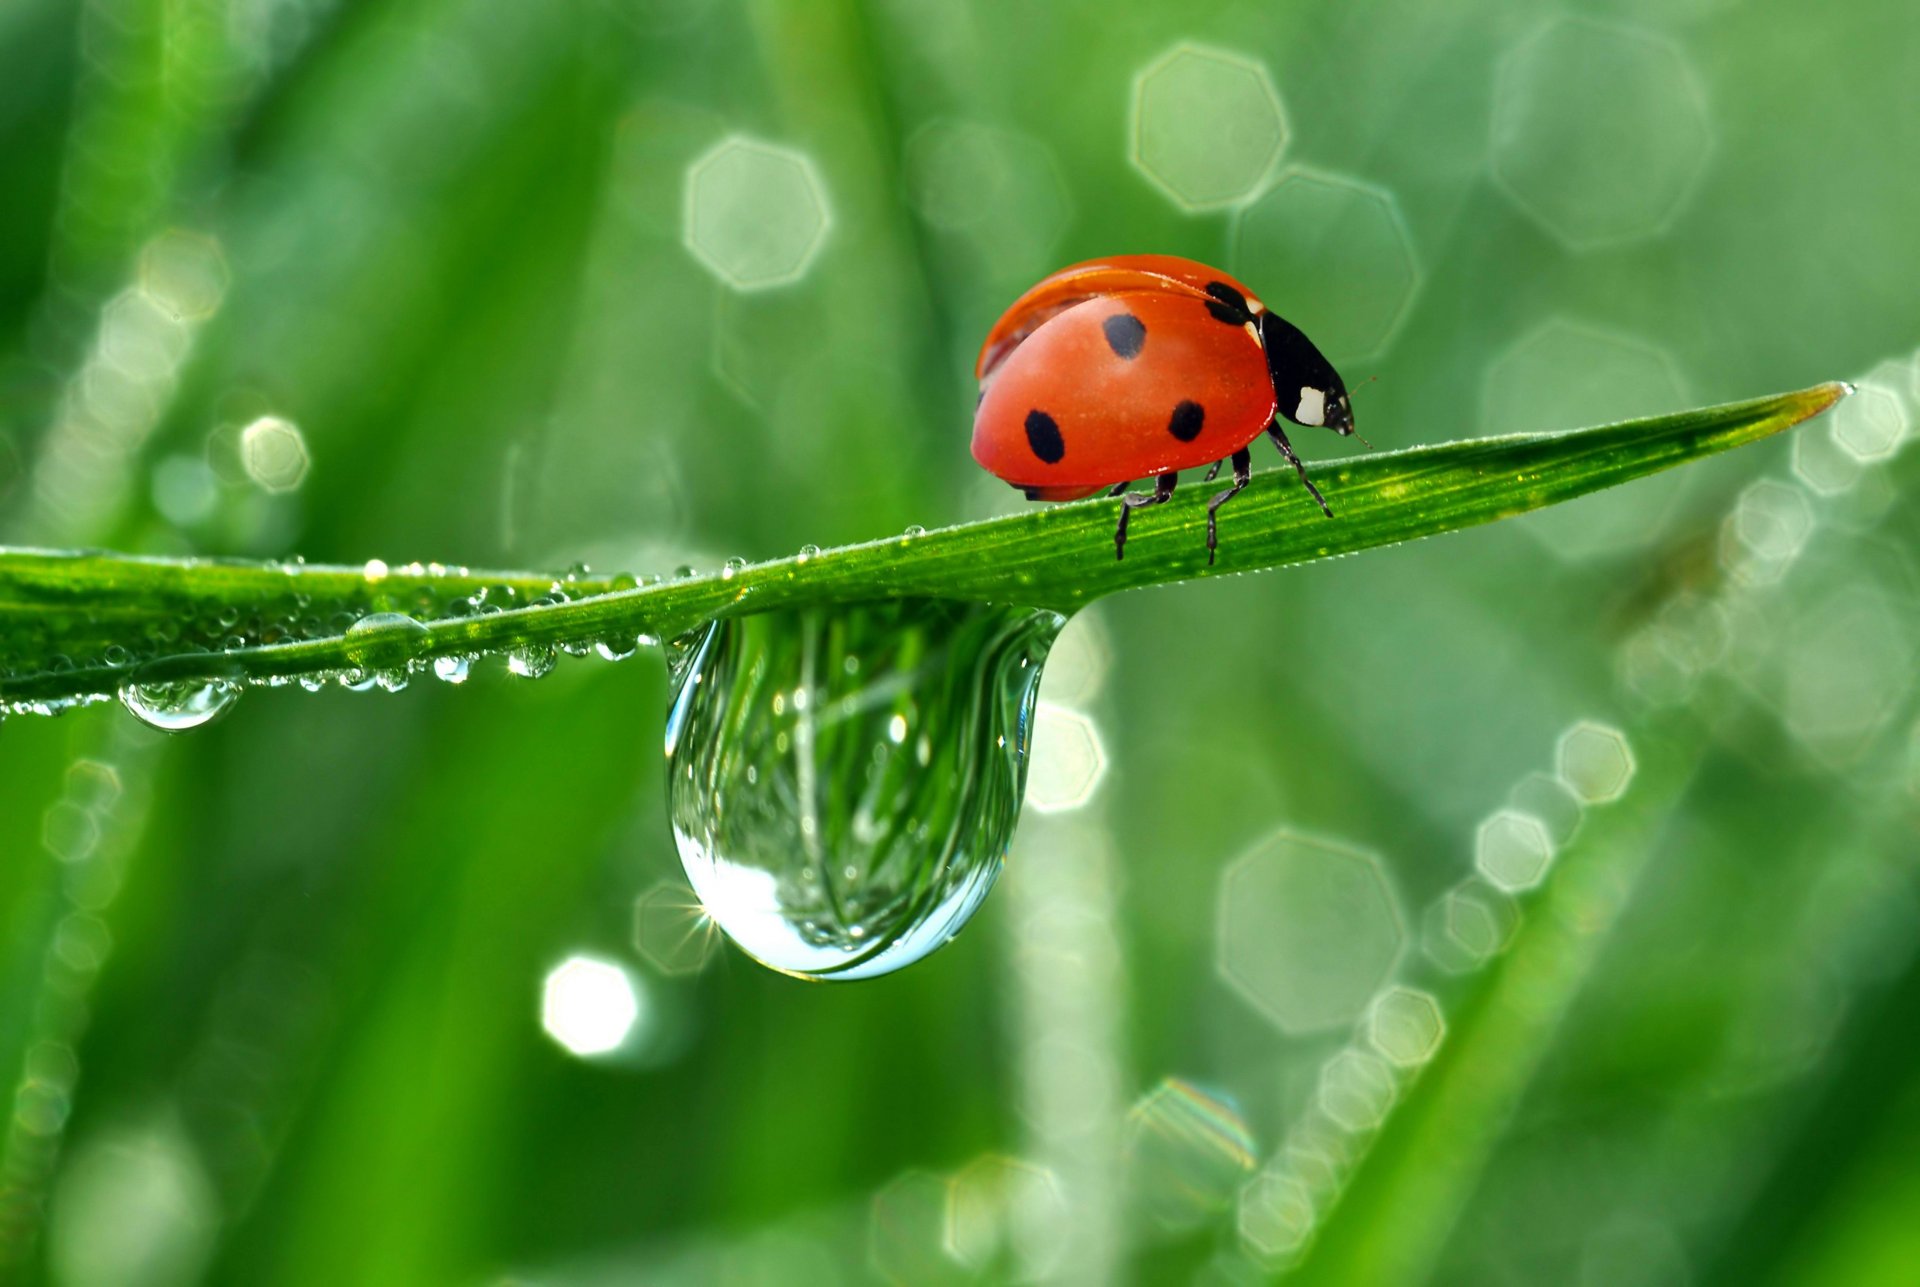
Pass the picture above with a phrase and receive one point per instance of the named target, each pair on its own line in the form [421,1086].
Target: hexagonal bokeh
[996,186]
[1547,798]
[70,831]
[1357,1090]
[1822,464]
[1207,126]
[1564,375]
[1405,1026]
[274,453]
[1513,850]
[1600,132]
[1468,925]
[754,213]
[1078,663]
[1767,528]
[1066,761]
[1847,669]
[1006,1218]
[907,1229]
[1276,1217]
[1333,256]
[184,272]
[1595,761]
[1307,930]
[590,1006]
[1188,1151]
[1871,425]
[672,930]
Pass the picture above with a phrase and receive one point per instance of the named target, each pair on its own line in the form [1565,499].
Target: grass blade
[75,626]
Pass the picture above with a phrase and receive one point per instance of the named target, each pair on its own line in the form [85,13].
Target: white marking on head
[1313,407]
[1255,307]
[1252,330]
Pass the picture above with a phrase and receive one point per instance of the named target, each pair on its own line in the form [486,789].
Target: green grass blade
[76,626]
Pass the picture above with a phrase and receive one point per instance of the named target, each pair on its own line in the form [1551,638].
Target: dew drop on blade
[385,640]
[177,707]
[822,843]
[531,661]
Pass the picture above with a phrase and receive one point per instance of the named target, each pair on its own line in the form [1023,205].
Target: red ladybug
[1143,365]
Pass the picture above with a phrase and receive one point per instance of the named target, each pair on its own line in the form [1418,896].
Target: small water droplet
[914,530]
[385,640]
[808,552]
[451,669]
[177,707]
[617,649]
[531,661]
[781,844]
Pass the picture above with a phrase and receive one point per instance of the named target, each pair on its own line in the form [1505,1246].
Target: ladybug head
[1307,390]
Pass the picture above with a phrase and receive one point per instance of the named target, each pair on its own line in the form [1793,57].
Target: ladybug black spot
[1228,305]
[1043,436]
[1126,334]
[1188,417]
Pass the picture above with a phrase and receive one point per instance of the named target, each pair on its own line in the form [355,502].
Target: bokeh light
[756,213]
[590,1006]
[672,931]
[1357,1090]
[1067,760]
[1405,1026]
[1600,131]
[1595,762]
[1207,125]
[1513,850]
[275,453]
[1333,255]
[1188,1152]
[1307,930]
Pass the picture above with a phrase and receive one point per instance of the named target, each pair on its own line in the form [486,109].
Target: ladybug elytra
[1139,366]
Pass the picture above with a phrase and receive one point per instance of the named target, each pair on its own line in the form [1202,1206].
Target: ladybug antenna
[1350,392]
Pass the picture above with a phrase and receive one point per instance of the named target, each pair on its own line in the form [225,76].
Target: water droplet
[531,661]
[177,707]
[915,530]
[808,551]
[773,803]
[451,669]
[731,568]
[384,640]
[620,647]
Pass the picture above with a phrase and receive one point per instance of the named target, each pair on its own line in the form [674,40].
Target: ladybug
[1139,366]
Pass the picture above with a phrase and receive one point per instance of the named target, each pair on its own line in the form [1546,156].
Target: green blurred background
[1532,905]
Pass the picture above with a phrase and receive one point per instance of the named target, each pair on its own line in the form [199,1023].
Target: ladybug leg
[1119,489]
[1279,436]
[1162,493]
[1215,471]
[1242,475]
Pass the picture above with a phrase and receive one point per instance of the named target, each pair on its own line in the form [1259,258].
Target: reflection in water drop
[175,708]
[822,843]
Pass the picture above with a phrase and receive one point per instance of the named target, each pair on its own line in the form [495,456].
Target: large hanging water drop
[177,707]
[843,781]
